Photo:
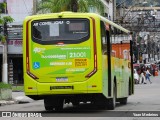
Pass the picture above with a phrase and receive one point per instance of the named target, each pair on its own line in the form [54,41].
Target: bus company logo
[39,50]
[67,22]
[20,114]
[6,114]
[47,23]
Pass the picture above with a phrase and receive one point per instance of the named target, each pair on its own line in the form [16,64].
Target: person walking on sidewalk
[148,74]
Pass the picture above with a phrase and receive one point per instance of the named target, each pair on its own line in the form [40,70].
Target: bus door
[104,56]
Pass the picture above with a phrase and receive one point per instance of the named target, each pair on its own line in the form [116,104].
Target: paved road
[146,98]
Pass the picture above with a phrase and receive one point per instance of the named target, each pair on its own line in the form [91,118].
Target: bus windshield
[60,30]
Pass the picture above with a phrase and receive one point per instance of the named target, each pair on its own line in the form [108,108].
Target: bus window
[103,39]
[53,31]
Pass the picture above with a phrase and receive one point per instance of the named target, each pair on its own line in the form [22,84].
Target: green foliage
[51,6]
[8,19]
[2,6]
[2,38]
[4,85]
[3,21]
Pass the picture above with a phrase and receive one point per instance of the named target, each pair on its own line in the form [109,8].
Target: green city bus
[67,58]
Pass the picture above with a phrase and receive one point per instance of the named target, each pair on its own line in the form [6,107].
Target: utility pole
[5,64]
[34,7]
[4,20]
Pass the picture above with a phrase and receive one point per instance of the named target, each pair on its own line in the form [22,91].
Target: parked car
[136,66]
[148,65]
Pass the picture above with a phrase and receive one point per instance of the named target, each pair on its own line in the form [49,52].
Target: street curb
[22,99]
[7,102]
[17,100]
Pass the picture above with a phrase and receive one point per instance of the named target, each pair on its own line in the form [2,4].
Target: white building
[18,10]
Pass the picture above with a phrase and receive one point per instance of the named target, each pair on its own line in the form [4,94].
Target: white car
[136,77]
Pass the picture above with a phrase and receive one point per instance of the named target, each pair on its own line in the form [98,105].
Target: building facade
[18,10]
[143,18]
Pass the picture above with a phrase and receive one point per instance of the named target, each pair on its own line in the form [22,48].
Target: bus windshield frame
[67,31]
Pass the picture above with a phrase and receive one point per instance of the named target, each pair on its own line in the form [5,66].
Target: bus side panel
[24,46]
[105,75]
[122,53]
[95,83]
[126,58]
[116,74]
[30,85]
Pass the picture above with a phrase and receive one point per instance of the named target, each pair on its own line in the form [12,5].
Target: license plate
[61,87]
[61,79]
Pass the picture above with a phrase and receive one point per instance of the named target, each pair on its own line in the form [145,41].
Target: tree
[51,6]
[3,22]
[3,38]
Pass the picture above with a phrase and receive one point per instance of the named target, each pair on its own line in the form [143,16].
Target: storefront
[14,56]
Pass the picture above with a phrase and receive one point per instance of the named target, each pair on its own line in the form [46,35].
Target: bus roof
[115,25]
[87,14]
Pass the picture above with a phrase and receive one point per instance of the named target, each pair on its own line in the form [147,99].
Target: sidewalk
[17,98]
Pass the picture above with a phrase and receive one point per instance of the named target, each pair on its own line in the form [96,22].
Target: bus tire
[129,88]
[111,104]
[123,101]
[59,105]
[48,104]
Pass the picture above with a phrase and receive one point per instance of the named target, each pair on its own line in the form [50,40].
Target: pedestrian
[142,76]
[148,74]
[136,77]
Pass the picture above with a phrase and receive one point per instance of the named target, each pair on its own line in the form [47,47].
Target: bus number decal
[77,55]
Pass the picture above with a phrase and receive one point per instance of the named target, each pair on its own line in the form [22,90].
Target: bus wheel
[59,105]
[47,104]
[111,104]
[123,101]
